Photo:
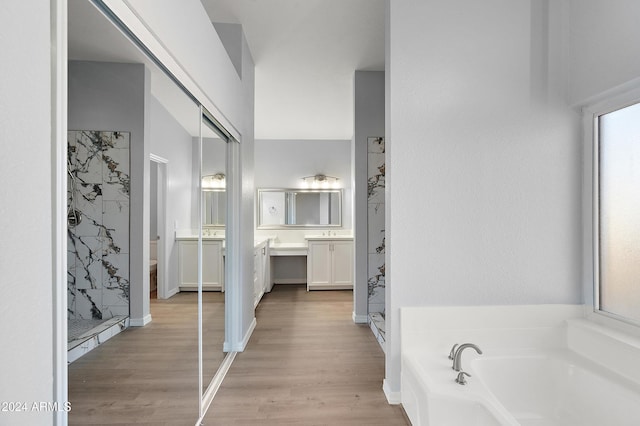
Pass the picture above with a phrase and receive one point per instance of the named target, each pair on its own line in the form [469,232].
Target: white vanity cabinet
[330,264]
[212,264]
[261,275]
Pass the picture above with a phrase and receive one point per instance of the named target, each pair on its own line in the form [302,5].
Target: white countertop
[195,238]
[328,237]
[288,249]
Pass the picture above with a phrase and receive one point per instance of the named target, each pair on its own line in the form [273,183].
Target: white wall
[603,48]
[171,141]
[483,166]
[26,256]
[369,122]
[247,152]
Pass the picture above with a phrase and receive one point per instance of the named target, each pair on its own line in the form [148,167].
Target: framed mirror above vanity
[214,205]
[282,208]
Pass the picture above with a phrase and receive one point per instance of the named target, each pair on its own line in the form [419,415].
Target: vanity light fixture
[215,181]
[321,181]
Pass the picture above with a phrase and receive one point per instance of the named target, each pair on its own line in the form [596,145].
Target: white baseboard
[393,398]
[140,322]
[360,319]
[227,347]
[215,384]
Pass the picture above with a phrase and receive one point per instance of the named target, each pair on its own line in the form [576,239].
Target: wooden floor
[149,375]
[307,363]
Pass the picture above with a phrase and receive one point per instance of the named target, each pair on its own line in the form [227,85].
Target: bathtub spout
[457,359]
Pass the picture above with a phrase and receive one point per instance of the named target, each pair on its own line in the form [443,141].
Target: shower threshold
[86,335]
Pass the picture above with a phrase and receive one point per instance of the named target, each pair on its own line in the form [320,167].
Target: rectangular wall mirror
[214,204]
[299,208]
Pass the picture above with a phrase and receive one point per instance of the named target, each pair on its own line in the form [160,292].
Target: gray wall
[232,39]
[111,96]
[172,142]
[283,163]
[368,122]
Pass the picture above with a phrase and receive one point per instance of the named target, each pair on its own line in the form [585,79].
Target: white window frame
[615,100]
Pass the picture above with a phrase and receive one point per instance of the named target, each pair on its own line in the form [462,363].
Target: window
[617,210]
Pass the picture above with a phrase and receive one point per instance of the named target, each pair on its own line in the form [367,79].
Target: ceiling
[305,54]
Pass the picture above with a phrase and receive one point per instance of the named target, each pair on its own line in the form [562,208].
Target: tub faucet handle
[461,380]
[453,351]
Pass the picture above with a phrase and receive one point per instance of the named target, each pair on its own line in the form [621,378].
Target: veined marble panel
[375,145]
[88,261]
[115,226]
[115,168]
[98,236]
[88,304]
[85,156]
[115,278]
[87,201]
[376,170]
[376,282]
[376,224]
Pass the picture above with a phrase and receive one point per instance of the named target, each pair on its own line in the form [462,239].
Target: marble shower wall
[375,200]
[98,224]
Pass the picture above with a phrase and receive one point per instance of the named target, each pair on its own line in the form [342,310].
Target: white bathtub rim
[474,392]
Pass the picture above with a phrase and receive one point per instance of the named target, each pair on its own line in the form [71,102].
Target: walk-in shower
[98,234]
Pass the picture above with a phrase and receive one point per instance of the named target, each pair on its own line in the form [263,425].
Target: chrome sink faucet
[456,354]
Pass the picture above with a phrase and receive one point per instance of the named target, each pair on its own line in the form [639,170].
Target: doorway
[158,265]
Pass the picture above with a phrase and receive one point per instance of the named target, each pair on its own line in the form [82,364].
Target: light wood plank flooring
[307,363]
[149,375]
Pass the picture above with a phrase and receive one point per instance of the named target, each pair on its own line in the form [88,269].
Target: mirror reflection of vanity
[299,208]
[214,209]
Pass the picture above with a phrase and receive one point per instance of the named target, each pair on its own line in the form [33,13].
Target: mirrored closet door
[167,342]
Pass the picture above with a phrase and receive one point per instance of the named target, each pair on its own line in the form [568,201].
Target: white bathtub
[525,376]
[551,388]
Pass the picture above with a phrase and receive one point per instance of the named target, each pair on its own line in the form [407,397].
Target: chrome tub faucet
[456,354]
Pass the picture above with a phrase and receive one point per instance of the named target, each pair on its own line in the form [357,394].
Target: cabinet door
[342,263]
[188,263]
[319,264]
[212,265]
